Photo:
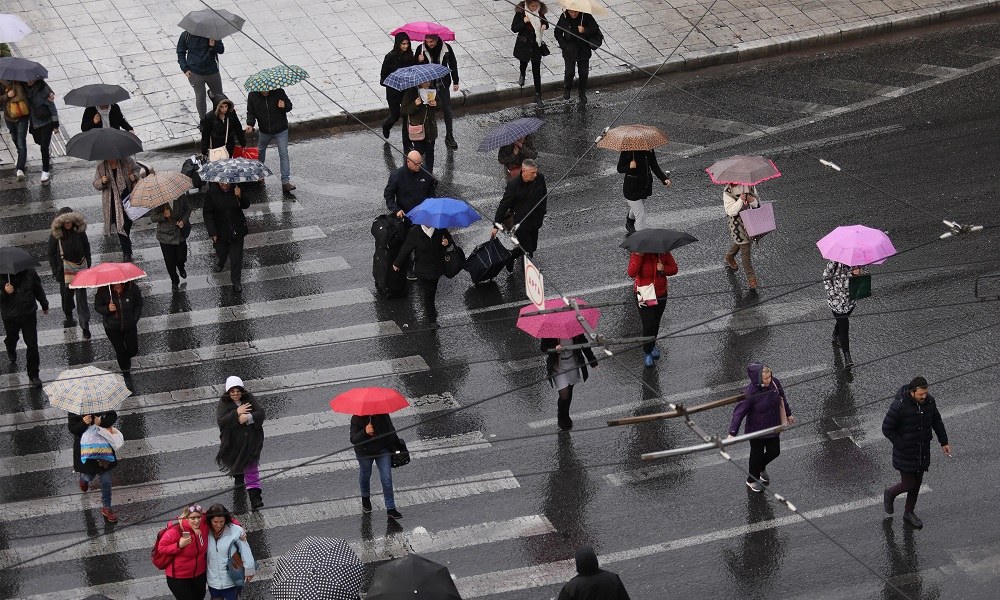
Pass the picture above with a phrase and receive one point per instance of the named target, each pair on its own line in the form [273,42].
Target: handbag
[417,133]
[17,109]
[70,268]
[400,455]
[859,286]
[454,261]
[220,153]
[544,49]
[758,221]
[234,566]
[646,294]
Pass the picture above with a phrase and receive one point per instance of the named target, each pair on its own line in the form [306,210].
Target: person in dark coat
[566,368]
[198,58]
[763,405]
[408,186]
[400,56]
[222,127]
[424,115]
[106,115]
[241,437]
[512,155]
[428,245]
[92,469]
[271,110]
[173,225]
[227,226]
[573,32]
[43,121]
[70,246]
[22,292]
[523,205]
[911,422]
[374,438]
[639,167]
[592,582]
[646,269]
[438,52]
[529,23]
[121,306]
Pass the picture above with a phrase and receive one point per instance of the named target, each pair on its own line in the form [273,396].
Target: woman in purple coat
[763,405]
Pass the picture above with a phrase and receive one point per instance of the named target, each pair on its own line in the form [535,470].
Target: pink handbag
[758,221]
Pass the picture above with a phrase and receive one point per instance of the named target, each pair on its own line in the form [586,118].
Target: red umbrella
[107,274]
[558,324]
[368,401]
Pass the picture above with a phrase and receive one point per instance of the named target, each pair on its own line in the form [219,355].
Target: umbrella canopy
[555,325]
[234,170]
[96,94]
[444,212]
[21,69]
[412,576]
[368,401]
[585,6]
[418,30]
[856,245]
[14,260]
[103,143]
[159,188]
[107,274]
[744,170]
[211,23]
[318,569]
[508,133]
[412,76]
[657,241]
[87,390]
[625,138]
[274,78]
[12,28]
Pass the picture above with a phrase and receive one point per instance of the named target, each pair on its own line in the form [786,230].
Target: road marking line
[864,87]
[980,51]
[700,122]
[928,70]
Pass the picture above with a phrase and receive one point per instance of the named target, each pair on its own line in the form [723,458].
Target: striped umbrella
[409,77]
[159,188]
[625,138]
[87,390]
[234,170]
[275,78]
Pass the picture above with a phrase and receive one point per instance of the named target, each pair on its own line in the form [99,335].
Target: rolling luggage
[389,233]
[487,260]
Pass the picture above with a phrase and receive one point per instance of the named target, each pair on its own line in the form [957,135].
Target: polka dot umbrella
[274,78]
[318,568]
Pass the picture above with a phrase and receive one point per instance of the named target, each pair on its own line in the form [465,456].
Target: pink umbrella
[744,170]
[106,274]
[561,325]
[856,245]
[418,30]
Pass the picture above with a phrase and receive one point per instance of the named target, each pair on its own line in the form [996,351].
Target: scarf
[105,116]
[536,22]
[117,182]
[428,230]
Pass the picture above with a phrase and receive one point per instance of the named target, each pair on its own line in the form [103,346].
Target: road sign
[534,287]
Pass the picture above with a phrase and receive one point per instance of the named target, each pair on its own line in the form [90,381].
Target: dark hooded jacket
[74,242]
[264,109]
[128,306]
[519,200]
[226,132]
[592,583]
[760,405]
[583,356]
[574,48]
[27,291]
[638,183]
[910,425]
[195,55]
[77,427]
[396,59]
[239,444]
[116,119]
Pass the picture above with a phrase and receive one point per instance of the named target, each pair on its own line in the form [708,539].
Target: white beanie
[233,381]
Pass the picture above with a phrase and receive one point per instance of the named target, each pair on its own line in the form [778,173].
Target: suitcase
[190,168]
[389,233]
[487,260]
[454,261]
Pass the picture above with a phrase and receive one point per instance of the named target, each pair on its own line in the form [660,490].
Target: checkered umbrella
[87,390]
[159,188]
[508,133]
[625,138]
[409,77]
[318,568]
[234,170]
[274,78]
[12,28]
[211,23]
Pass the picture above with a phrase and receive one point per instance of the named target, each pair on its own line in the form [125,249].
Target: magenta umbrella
[418,30]
[558,324]
[856,245]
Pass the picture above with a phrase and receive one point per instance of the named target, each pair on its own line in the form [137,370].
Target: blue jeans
[384,463]
[282,139]
[105,485]
[232,593]
[19,131]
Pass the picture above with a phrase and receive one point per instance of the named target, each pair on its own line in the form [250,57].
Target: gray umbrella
[234,170]
[318,569]
[103,144]
[96,94]
[21,69]
[211,23]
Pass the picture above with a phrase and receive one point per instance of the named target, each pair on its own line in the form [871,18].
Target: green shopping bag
[859,286]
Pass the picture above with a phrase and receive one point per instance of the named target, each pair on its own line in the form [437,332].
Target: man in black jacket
[17,305]
[436,51]
[592,581]
[70,246]
[523,205]
[271,109]
[227,226]
[408,186]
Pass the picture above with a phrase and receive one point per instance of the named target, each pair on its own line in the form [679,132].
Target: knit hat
[233,381]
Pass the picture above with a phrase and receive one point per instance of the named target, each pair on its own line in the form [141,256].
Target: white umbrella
[585,6]
[12,28]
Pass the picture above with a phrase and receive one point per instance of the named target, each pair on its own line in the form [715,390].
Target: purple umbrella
[856,245]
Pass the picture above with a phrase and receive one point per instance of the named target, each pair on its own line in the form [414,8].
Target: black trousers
[75,299]
[27,327]
[582,66]
[650,317]
[394,98]
[126,344]
[428,289]
[232,250]
[426,148]
[527,238]
[174,255]
[124,240]
[193,588]
[842,329]
[762,452]
[536,71]
[910,484]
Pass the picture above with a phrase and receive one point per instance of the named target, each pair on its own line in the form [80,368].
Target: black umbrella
[412,577]
[21,69]
[103,144]
[210,23]
[657,241]
[15,260]
[96,94]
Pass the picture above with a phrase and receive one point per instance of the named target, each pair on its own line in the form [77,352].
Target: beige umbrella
[87,390]
[584,6]
[626,138]
[160,188]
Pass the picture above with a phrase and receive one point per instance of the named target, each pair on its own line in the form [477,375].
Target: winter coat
[583,356]
[218,556]
[376,447]
[195,55]
[27,292]
[428,260]
[638,183]
[837,281]
[416,114]
[19,96]
[574,48]
[38,102]
[116,120]
[77,427]
[265,109]
[520,197]
[526,45]
[406,189]
[441,55]
[396,59]
[114,192]
[239,443]
[167,231]
[760,405]
[216,132]
[592,583]
[191,560]
[733,205]
[223,213]
[642,268]
[509,159]
[128,307]
[74,242]
[910,425]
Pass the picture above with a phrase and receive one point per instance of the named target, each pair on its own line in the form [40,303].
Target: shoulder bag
[417,133]
[220,153]
[400,454]
[70,268]
[234,566]
[646,294]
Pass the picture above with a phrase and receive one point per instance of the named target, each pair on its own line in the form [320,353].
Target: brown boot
[752,282]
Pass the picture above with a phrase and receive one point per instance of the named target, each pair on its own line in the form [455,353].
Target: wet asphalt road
[494,492]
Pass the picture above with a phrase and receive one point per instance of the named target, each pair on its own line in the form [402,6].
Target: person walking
[105,115]
[591,582]
[764,405]
[438,52]
[736,198]
[639,166]
[172,228]
[227,226]
[421,122]
[241,435]
[93,469]
[408,186]
[271,110]
[222,129]
[121,306]
[512,155]
[198,58]
[374,439]
[22,292]
[529,23]
[574,30]
[427,245]
[400,56]
[910,423]
[69,253]
[523,206]
[187,546]
[17,115]
[651,269]
[837,281]
[43,121]
[115,180]
[566,368]
[226,538]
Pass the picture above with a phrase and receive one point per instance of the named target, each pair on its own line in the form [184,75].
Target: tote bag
[758,221]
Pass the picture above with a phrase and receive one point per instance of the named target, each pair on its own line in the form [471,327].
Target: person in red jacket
[188,544]
[652,269]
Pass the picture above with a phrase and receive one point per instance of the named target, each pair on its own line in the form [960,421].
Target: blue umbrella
[408,77]
[508,133]
[444,212]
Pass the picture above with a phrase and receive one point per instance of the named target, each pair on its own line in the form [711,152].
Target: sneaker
[84,485]
[20,175]
[755,487]
[109,515]
[182,271]
[411,276]
[765,478]
[911,518]
[648,361]
[887,500]
[450,142]
[393,514]
[366,504]
[86,333]
[45,181]
[655,353]
[731,264]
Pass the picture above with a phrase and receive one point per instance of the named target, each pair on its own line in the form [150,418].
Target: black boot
[848,361]
[562,414]
[629,225]
[255,500]
[238,480]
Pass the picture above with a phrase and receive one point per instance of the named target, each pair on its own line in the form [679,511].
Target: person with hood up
[227,226]
[69,253]
[639,166]
[91,469]
[121,306]
[736,198]
[837,281]
[187,545]
[271,110]
[21,294]
[566,368]
[592,582]
[172,228]
[17,115]
[573,32]
[764,405]
[400,56]
[105,115]
[241,437]
[529,23]
[421,123]
[438,52]
[43,121]
[225,538]
[221,128]
[910,423]
[198,58]
[115,179]
[653,269]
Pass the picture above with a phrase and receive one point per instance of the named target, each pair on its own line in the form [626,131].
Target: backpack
[596,39]
[160,560]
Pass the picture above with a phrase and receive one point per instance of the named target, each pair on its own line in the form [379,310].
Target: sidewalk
[341,43]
